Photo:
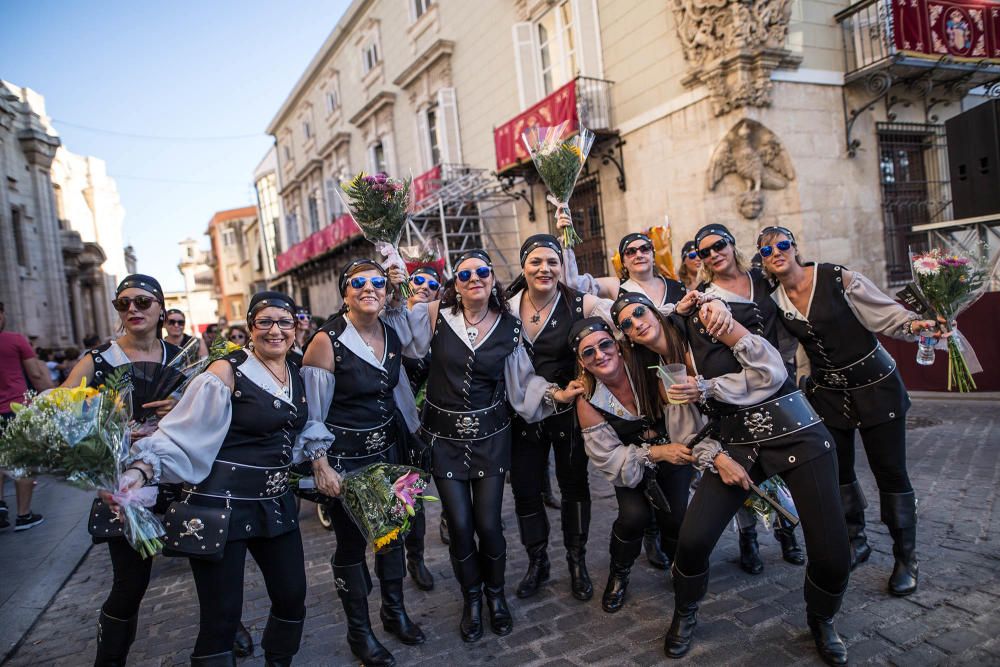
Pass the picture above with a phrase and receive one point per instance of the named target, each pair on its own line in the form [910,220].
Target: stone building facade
[810,114]
[198,298]
[230,258]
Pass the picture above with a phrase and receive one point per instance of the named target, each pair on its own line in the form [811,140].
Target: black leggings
[814,488]
[351,544]
[635,512]
[472,508]
[131,578]
[220,587]
[885,446]
[530,461]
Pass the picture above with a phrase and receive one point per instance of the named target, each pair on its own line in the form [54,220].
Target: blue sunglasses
[783,246]
[693,254]
[378,282]
[483,272]
[432,284]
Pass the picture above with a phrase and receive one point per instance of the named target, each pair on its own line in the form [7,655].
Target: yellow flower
[386,539]
[575,150]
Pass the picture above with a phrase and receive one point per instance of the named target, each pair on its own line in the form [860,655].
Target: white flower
[926,266]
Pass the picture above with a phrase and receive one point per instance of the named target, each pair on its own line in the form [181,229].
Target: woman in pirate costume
[854,385]
[480,364]
[628,431]
[690,266]
[230,442]
[355,387]
[765,428]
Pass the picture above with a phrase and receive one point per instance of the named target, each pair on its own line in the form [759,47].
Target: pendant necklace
[538,311]
[470,327]
[365,340]
[283,386]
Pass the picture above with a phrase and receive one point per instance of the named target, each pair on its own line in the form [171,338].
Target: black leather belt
[874,367]
[474,425]
[769,420]
[238,481]
[352,443]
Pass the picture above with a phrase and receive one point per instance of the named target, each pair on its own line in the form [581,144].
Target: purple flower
[381,177]
[369,179]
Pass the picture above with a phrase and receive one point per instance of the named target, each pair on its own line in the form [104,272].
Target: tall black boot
[224,659]
[534,530]
[821,607]
[114,639]
[353,586]
[576,526]
[668,546]
[389,569]
[651,543]
[548,498]
[281,640]
[243,642]
[790,549]
[443,531]
[899,513]
[414,543]
[749,551]
[852,497]
[688,591]
[470,579]
[493,567]
[623,555]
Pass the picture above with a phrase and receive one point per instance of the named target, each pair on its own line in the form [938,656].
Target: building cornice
[335,142]
[373,106]
[442,48]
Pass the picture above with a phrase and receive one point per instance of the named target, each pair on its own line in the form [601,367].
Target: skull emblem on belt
[467,426]
[836,379]
[277,482]
[758,423]
[375,441]
[192,527]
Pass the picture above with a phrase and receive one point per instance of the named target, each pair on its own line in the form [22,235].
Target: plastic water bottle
[925,350]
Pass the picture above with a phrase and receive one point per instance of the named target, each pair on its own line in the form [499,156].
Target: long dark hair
[498,298]
[644,381]
[644,361]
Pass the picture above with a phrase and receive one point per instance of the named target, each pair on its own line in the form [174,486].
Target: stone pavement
[953,619]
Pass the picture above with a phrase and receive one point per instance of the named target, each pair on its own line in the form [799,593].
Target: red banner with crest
[331,236]
[961,29]
[554,109]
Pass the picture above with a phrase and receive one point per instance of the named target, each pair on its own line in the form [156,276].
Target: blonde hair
[767,238]
[708,275]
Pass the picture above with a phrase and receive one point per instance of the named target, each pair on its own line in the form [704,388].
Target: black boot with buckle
[623,555]
[493,567]
[471,580]
[389,569]
[821,607]
[576,526]
[281,641]
[534,530]
[853,499]
[353,586]
[899,513]
[688,591]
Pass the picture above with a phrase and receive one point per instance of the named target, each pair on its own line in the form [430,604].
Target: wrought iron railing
[867,30]
[593,103]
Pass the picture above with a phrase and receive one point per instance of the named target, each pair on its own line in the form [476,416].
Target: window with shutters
[369,56]
[433,143]
[292,227]
[556,47]
[307,130]
[287,152]
[333,202]
[331,101]
[314,212]
[420,7]
[376,158]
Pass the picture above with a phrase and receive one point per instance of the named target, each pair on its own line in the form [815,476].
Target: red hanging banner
[554,109]
[336,233]
[965,30]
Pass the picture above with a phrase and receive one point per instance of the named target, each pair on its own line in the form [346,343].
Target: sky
[193,84]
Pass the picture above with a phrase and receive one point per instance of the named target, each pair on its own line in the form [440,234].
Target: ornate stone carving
[753,153]
[732,46]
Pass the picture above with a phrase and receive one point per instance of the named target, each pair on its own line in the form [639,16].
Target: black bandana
[540,241]
[717,230]
[478,254]
[269,299]
[583,328]
[143,282]
[429,270]
[775,230]
[628,238]
[688,247]
[627,298]
[344,278]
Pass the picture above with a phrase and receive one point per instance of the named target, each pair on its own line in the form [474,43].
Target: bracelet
[549,399]
[317,455]
[145,478]
[703,388]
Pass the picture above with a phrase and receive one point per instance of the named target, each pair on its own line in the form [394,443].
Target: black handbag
[104,523]
[196,531]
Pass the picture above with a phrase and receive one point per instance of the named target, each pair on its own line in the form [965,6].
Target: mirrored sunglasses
[483,272]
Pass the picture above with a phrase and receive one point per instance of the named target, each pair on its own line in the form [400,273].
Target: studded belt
[239,481]
[769,420]
[870,369]
[472,425]
[360,443]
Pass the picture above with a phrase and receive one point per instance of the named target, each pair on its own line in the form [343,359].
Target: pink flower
[926,265]
[403,488]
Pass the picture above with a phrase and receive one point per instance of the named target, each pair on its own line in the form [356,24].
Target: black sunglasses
[717,247]
[693,254]
[357,282]
[605,346]
[626,324]
[122,303]
[645,249]
[784,245]
[176,323]
[483,272]
[265,324]
[432,284]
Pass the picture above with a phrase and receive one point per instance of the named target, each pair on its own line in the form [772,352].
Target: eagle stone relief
[753,153]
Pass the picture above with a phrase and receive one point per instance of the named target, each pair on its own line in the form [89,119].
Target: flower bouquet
[948,282]
[83,435]
[777,495]
[426,253]
[219,348]
[379,204]
[559,159]
[381,498]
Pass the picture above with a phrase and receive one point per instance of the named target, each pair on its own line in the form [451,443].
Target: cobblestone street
[952,619]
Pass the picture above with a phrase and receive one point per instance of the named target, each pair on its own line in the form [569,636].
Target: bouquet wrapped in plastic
[945,283]
[379,206]
[381,498]
[83,435]
[559,156]
[219,348]
[777,496]
[426,253]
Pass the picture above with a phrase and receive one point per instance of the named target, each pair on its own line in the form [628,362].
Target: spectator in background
[47,357]
[18,366]
[173,328]
[238,334]
[211,332]
[70,357]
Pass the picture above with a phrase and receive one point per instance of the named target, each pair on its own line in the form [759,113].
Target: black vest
[673,292]
[632,431]
[417,371]
[550,355]
[103,369]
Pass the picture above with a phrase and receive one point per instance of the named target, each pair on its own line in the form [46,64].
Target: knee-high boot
[114,639]
[750,559]
[576,526]
[852,497]
[414,543]
[224,659]
[790,549]
[535,538]
[623,555]
[688,592]
[471,580]
[389,569]
[353,586]
[652,544]
[899,513]
[821,607]
[281,640]
[493,568]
